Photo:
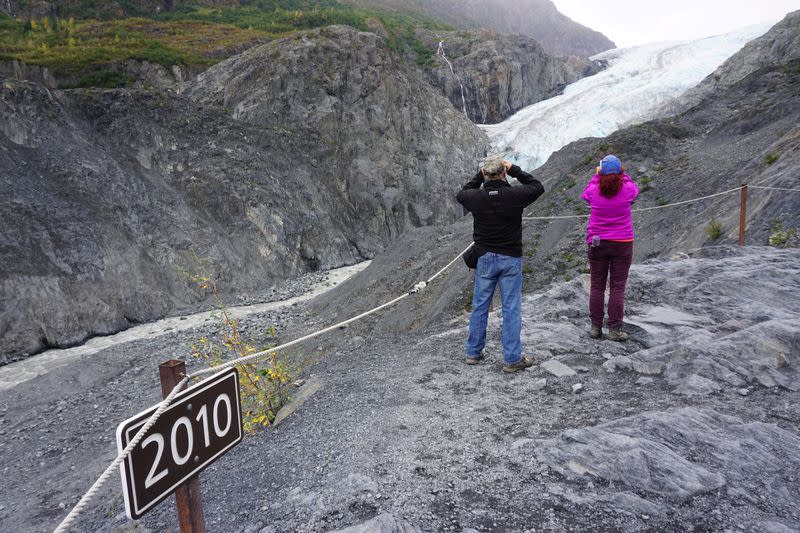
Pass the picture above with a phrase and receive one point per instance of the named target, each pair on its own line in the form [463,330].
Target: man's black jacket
[497,210]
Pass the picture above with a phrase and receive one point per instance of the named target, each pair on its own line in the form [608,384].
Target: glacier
[637,85]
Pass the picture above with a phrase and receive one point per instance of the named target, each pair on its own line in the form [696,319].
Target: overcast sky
[632,22]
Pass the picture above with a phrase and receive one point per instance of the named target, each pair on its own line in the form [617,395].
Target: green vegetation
[264,383]
[645,181]
[107,79]
[81,48]
[89,50]
[714,229]
[771,158]
[781,238]
[567,185]
[660,200]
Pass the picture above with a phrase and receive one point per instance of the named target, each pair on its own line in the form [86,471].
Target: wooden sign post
[187,496]
[201,424]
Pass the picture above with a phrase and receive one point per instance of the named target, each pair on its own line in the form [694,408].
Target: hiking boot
[526,362]
[617,334]
[475,360]
[595,332]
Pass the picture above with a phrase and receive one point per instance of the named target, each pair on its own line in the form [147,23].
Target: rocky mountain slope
[314,157]
[781,46]
[692,425]
[491,76]
[746,133]
[539,19]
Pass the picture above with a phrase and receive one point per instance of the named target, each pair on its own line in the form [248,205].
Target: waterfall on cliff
[440,52]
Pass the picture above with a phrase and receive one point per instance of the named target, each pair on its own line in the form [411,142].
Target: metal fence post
[187,496]
[743,215]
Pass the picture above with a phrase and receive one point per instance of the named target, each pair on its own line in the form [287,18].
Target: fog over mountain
[539,19]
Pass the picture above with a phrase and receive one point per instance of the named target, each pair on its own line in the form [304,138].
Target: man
[497,231]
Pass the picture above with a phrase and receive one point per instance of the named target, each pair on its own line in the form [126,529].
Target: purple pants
[609,262]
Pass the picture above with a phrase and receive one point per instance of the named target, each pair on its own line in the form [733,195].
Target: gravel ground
[404,436]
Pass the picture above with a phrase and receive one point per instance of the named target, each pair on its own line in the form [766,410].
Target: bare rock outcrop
[780,46]
[325,157]
[491,76]
[675,455]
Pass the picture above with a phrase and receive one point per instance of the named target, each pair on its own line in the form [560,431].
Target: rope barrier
[773,188]
[644,208]
[687,201]
[63,527]
[252,357]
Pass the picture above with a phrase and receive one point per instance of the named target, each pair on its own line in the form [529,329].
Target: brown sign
[201,424]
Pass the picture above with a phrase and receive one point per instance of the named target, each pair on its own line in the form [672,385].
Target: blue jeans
[494,269]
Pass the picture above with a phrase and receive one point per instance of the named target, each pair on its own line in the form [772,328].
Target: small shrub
[527,269]
[568,184]
[264,388]
[771,158]
[781,238]
[714,229]
[661,201]
[645,182]
[587,160]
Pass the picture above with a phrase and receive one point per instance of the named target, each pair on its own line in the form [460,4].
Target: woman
[610,238]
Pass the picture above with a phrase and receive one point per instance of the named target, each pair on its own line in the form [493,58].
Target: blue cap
[610,165]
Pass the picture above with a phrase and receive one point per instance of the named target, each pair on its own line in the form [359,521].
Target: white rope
[644,208]
[687,201]
[773,188]
[555,217]
[166,402]
[448,265]
[64,525]
[252,357]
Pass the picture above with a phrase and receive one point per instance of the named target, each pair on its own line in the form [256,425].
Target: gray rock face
[383,523]
[780,46]
[352,118]
[653,454]
[557,368]
[748,336]
[111,191]
[493,76]
[20,71]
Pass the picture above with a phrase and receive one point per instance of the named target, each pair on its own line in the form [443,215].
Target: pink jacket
[611,217]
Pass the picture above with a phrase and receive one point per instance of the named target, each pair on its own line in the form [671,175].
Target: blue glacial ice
[638,83]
